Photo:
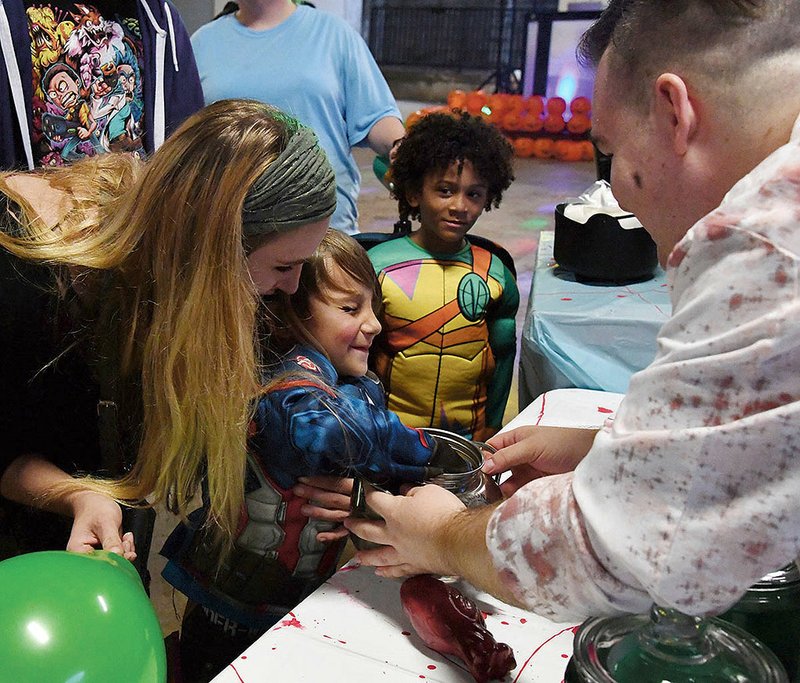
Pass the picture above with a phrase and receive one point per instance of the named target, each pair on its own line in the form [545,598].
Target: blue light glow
[567,85]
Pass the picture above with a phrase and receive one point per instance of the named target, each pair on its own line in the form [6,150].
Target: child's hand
[328,500]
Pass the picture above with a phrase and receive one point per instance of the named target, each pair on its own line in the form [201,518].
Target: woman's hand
[328,500]
[98,523]
[411,532]
[533,452]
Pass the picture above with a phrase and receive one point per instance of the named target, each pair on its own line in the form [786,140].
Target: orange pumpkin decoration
[523,147]
[567,150]
[580,105]
[532,124]
[535,105]
[457,99]
[475,101]
[579,123]
[543,148]
[511,121]
[497,103]
[587,150]
[413,117]
[556,105]
[554,123]
[514,103]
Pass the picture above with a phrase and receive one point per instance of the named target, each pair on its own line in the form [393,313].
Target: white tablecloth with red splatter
[587,336]
[353,629]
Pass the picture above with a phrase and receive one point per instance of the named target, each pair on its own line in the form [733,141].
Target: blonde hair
[170,232]
[318,280]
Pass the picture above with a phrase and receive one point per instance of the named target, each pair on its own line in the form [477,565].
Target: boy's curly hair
[438,140]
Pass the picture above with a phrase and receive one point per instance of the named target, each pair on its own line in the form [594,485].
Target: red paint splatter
[541,414]
[621,296]
[523,621]
[718,230]
[484,614]
[343,642]
[405,633]
[236,672]
[566,298]
[245,656]
[431,667]
[564,656]
[574,629]
[606,411]
[675,258]
[293,622]
[504,623]
[422,676]
[735,301]
[326,636]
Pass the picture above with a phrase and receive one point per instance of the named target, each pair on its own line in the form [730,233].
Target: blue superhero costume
[308,422]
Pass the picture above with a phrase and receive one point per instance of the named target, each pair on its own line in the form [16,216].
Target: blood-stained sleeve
[540,549]
[690,496]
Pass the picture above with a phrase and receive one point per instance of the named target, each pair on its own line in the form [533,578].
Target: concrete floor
[527,209]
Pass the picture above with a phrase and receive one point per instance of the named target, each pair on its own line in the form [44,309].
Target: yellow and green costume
[446,352]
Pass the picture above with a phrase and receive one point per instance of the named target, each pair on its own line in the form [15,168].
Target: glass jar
[469,484]
[669,647]
[770,611]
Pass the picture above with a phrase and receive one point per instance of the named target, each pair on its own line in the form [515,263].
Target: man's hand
[533,452]
[98,523]
[411,532]
[328,500]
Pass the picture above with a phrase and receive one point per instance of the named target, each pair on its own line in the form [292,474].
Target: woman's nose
[290,282]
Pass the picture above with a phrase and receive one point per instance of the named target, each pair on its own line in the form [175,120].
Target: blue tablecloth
[586,336]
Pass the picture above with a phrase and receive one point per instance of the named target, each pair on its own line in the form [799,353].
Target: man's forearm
[463,547]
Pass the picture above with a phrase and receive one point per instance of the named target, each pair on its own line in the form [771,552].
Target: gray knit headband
[299,187]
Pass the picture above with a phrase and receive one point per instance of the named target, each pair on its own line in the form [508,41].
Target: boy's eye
[284,269]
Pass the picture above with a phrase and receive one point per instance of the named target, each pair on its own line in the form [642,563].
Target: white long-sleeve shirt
[693,492]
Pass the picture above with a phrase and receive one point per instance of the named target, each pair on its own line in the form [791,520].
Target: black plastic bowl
[601,251]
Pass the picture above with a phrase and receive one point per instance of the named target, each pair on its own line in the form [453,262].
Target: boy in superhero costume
[322,412]
[447,349]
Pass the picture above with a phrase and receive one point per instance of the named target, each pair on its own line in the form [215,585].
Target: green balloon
[77,618]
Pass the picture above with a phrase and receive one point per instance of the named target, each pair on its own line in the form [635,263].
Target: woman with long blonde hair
[130,320]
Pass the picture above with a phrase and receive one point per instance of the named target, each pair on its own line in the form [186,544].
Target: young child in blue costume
[322,412]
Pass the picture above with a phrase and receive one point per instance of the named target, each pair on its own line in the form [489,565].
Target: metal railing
[490,38]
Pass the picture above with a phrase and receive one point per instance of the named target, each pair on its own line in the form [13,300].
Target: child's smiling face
[344,323]
[449,204]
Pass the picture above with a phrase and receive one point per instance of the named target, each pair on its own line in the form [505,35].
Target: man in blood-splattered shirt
[690,496]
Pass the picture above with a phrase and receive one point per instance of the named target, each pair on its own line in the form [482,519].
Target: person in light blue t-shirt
[315,67]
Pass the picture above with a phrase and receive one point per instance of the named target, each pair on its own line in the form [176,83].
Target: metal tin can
[770,610]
